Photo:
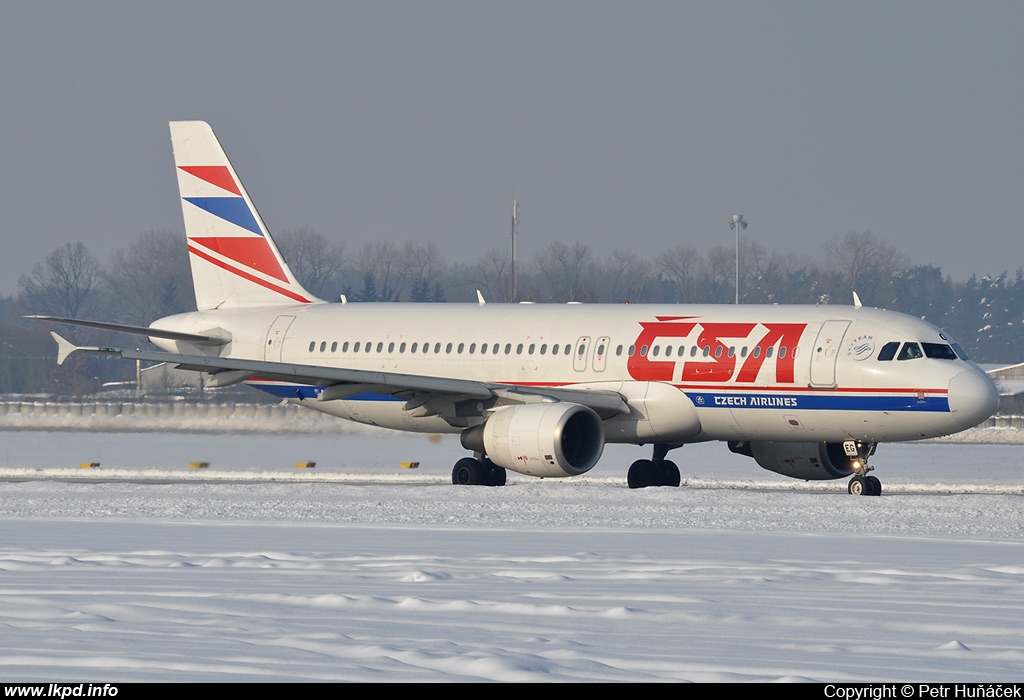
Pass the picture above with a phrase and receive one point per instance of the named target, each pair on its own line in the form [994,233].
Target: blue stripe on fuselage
[818,402]
[299,391]
[795,402]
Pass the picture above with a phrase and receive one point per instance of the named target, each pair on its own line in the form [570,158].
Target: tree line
[149,278]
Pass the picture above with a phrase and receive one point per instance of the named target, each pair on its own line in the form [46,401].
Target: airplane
[806,391]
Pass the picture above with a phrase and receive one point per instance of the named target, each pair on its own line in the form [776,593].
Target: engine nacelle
[800,460]
[542,439]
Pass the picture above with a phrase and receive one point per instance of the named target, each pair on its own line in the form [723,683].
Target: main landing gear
[470,471]
[654,472]
[861,484]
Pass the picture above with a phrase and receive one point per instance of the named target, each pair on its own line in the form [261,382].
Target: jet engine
[542,439]
[800,460]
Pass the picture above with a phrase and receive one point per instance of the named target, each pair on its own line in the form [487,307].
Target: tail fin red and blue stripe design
[234,260]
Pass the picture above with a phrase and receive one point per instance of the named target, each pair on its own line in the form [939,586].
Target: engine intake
[543,439]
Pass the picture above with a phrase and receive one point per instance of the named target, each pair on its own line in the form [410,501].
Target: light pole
[736,223]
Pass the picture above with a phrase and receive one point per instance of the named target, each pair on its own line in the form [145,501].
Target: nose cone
[972,398]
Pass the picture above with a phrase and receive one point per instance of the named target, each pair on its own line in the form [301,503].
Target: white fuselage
[688,373]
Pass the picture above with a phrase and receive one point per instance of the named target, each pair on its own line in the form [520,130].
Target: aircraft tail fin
[235,262]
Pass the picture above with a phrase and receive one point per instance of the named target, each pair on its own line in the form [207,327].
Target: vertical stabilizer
[234,260]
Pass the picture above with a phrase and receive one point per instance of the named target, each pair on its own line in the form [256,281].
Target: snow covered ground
[253,570]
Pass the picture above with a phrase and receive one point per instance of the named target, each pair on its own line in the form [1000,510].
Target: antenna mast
[515,251]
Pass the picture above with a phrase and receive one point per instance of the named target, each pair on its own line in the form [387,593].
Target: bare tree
[383,270]
[567,271]
[492,275]
[64,284]
[678,270]
[314,260]
[863,263]
[149,278]
[624,277]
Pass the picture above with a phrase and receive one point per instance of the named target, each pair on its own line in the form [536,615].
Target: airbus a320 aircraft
[806,391]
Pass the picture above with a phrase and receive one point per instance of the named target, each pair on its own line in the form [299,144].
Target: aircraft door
[579,361]
[825,353]
[275,338]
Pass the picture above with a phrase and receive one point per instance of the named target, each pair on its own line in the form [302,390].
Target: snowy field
[253,570]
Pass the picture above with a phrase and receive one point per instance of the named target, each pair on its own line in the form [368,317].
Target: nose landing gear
[861,484]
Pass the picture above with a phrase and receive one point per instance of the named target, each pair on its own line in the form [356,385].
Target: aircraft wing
[340,382]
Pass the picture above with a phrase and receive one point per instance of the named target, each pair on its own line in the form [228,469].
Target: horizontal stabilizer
[138,330]
[64,347]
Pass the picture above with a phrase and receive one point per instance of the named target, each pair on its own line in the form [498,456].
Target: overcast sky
[635,125]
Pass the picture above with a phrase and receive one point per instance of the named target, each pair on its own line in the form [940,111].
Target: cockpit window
[910,351]
[888,351]
[938,351]
[960,352]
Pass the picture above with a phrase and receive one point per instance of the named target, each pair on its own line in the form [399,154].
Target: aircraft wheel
[858,486]
[468,472]
[874,486]
[669,474]
[641,474]
[495,475]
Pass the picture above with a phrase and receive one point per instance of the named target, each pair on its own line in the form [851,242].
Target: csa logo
[861,348]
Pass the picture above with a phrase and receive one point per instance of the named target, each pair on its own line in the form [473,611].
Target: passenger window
[334,346]
[356,347]
[632,350]
[462,346]
[888,351]
[344,346]
[519,349]
[618,351]
[544,349]
[910,351]
[533,346]
[472,348]
[448,348]
[508,348]
[718,351]
[391,348]
[437,348]
[412,350]
[380,347]
[568,348]
[483,348]
[654,352]
[643,351]
[782,352]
